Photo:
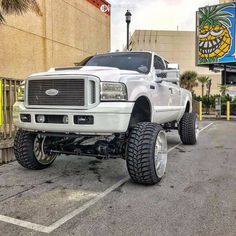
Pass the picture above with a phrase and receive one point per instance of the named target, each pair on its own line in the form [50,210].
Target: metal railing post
[200,110]
[228,110]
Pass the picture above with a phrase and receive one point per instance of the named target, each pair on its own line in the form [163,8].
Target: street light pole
[127,37]
[128,20]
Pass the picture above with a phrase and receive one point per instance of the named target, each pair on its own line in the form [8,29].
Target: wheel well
[141,111]
[187,109]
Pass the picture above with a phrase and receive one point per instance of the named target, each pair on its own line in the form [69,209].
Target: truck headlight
[21,92]
[113,91]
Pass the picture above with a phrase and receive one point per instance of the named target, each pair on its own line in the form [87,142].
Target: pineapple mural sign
[216,34]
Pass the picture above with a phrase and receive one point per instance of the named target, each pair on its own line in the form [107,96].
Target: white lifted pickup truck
[113,105]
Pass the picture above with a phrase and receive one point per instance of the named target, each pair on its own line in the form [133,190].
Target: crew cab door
[168,104]
[161,95]
[175,89]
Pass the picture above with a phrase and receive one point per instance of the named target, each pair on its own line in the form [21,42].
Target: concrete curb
[213,117]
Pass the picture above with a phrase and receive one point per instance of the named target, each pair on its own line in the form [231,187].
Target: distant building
[225,1]
[176,47]
[66,32]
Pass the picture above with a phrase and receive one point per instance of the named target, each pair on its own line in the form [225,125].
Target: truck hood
[103,73]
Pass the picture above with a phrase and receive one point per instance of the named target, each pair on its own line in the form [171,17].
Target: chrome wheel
[160,154]
[197,130]
[40,145]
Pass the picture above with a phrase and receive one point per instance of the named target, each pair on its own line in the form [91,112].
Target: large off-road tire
[147,153]
[28,149]
[188,129]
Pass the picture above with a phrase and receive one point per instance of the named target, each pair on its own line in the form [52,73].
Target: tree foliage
[18,7]
[188,80]
[223,89]
[203,80]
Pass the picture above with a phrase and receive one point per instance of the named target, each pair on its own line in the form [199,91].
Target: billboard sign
[215,34]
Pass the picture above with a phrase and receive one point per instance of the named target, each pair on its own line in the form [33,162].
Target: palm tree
[223,89]
[188,80]
[203,80]
[18,7]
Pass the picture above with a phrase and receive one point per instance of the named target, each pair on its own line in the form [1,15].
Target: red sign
[103,5]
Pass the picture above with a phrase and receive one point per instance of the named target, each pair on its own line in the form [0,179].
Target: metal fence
[8,96]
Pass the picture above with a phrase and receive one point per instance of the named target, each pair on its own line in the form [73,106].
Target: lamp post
[128,20]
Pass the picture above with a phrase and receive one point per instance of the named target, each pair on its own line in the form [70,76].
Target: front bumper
[109,117]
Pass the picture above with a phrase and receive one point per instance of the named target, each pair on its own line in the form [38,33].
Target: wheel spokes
[39,146]
[160,154]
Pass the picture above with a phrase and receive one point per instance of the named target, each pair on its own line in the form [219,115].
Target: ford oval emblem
[52,92]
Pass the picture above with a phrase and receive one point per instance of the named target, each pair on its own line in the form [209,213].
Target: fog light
[25,117]
[65,119]
[83,120]
[40,118]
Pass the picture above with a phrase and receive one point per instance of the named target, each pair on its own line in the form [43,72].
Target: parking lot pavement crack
[17,194]
[28,189]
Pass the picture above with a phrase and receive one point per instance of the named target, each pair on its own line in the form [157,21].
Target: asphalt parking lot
[86,196]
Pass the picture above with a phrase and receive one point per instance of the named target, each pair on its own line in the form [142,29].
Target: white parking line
[207,126]
[24,224]
[63,220]
[77,211]
[180,143]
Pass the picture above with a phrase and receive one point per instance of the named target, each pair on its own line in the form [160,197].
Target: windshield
[137,61]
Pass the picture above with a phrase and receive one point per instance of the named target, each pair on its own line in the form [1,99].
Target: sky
[152,15]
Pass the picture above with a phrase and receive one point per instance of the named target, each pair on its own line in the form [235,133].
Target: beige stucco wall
[176,47]
[225,1]
[67,31]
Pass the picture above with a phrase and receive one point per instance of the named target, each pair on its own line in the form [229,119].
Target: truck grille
[56,92]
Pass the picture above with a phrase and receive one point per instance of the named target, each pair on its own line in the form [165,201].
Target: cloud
[153,15]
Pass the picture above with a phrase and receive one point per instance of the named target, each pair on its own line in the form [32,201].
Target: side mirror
[173,66]
[167,75]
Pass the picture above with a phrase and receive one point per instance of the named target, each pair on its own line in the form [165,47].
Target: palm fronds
[223,89]
[203,80]
[18,7]
[188,80]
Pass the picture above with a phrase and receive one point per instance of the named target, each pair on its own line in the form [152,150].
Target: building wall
[67,31]
[225,1]
[176,47]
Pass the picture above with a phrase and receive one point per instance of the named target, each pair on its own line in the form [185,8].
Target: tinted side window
[158,63]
